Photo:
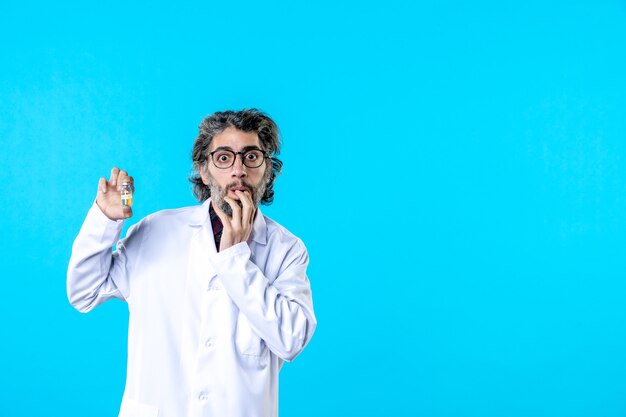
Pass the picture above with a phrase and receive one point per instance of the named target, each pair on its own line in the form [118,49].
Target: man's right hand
[109,197]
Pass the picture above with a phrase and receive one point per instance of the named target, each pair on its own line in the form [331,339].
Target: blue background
[456,169]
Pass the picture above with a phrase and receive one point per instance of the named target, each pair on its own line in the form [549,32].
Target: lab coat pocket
[248,343]
[132,408]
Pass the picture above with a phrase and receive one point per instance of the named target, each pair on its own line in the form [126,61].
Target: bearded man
[217,293]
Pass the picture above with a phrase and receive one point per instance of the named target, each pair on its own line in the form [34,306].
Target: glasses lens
[253,158]
[223,159]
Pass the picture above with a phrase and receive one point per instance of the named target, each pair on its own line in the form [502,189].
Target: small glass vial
[127,195]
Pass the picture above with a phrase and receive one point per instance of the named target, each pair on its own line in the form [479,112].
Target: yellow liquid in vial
[127,201]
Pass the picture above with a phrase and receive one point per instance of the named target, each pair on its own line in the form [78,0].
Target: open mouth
[240,188]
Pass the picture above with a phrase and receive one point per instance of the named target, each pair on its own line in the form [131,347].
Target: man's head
[236,150]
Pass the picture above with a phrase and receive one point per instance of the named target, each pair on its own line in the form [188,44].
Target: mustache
[240,183]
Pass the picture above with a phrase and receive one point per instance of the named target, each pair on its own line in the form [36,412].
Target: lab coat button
[209,343]
[203,396]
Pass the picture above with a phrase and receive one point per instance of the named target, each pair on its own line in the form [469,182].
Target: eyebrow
[245,149]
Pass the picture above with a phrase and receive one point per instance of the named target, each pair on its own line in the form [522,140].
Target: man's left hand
[237,229]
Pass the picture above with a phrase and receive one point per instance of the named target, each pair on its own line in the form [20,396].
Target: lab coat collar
[201,217]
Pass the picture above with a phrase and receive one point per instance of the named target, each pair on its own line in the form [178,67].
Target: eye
[252,155]
[223,157]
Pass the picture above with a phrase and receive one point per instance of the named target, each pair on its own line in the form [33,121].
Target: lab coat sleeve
[280,312]
[95,273]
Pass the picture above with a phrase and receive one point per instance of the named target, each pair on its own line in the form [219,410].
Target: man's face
[224,181]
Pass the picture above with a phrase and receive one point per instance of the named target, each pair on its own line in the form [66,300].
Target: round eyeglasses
[225,158]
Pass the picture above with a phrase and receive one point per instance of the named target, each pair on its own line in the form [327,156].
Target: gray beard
[226,208]
[218,194]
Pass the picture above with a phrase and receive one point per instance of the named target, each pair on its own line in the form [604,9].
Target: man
[217,293]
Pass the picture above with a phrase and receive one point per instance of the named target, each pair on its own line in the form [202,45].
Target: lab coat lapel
[202,246]
[259,232]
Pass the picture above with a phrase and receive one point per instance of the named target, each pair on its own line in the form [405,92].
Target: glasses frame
[242,153]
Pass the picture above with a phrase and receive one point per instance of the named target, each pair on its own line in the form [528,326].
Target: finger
[235,206]
[246,202]
[253,206]
[236,220]
[223,217]
[102,185]
[113,179]
[122,177]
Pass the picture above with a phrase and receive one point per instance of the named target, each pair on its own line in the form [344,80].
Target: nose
[238,168]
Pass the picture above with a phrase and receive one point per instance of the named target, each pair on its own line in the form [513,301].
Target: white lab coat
[208,331]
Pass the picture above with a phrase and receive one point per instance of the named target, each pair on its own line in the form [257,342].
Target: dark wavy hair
[247,120]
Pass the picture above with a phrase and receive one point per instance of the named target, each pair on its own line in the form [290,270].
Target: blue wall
[456,169]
